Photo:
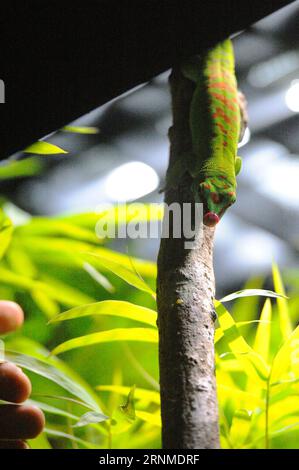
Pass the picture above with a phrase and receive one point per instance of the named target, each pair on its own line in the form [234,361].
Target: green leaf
[253,364]
[64,435]
[245,308]
[60,398]
[20,262]
[10,169]
[45,226]
[127,275]
[151,418]
[39,442]
[263,333]
[84,394]
[147,335]
[117,308]
[81,129]
[44,148]
[73,252]
[52,373]
[287,358]
[52,409]
[144,267]
[91,417]
[282,304]
[65,294]
[45,303]
[119,214]
[55,289]
[245,399]
[6,229]
[251,292]
[240,427]
[99,277]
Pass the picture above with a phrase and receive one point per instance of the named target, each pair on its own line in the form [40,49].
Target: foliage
[96,308]
[32,165]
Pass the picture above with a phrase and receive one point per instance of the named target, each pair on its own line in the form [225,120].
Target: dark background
[61,59]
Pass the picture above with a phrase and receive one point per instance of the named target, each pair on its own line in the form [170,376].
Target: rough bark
[185,292]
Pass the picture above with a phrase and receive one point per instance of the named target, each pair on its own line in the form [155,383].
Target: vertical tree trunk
[186,314]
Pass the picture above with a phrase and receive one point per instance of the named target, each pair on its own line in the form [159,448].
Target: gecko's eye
[211,219]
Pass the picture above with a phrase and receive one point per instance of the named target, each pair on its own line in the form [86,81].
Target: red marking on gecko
[215,73]
[223,100]
[223,115]
[215,198]
[221,127]
[220,114]
[222,86]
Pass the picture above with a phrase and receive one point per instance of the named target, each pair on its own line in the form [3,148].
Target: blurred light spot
[260,154]
[256,248]
[246,138]
[281,181]
[131,181]
[272,70]
[292,96]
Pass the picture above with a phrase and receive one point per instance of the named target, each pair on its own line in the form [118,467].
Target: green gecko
[215,125]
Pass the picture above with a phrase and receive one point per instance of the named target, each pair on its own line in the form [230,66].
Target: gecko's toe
[211,219]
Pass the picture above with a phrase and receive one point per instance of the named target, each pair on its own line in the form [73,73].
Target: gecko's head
[217,195]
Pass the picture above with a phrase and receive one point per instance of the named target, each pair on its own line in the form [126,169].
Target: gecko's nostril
[211,219]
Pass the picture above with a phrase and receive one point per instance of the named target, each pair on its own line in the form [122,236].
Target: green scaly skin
[215,121]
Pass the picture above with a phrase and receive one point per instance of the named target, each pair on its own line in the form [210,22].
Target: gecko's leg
[238,165]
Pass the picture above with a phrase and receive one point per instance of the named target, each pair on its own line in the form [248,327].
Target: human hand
[18,421]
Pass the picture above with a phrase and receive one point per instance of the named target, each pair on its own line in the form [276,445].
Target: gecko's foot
[211,219]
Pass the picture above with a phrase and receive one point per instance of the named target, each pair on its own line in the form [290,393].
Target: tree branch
[185,293]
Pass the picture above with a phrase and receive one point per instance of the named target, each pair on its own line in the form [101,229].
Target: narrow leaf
[55,289]
[52,373]
[240,427]
[52,409]
[253,363]
[45,226]
[147,335]
[287,358]
[251,292]
[117,308]
[6,229]
[263,333]
[91,417]
[81,129]
[11,169]
[282,304]
[64,435]
[99,277]
[44,148]
[127,275]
